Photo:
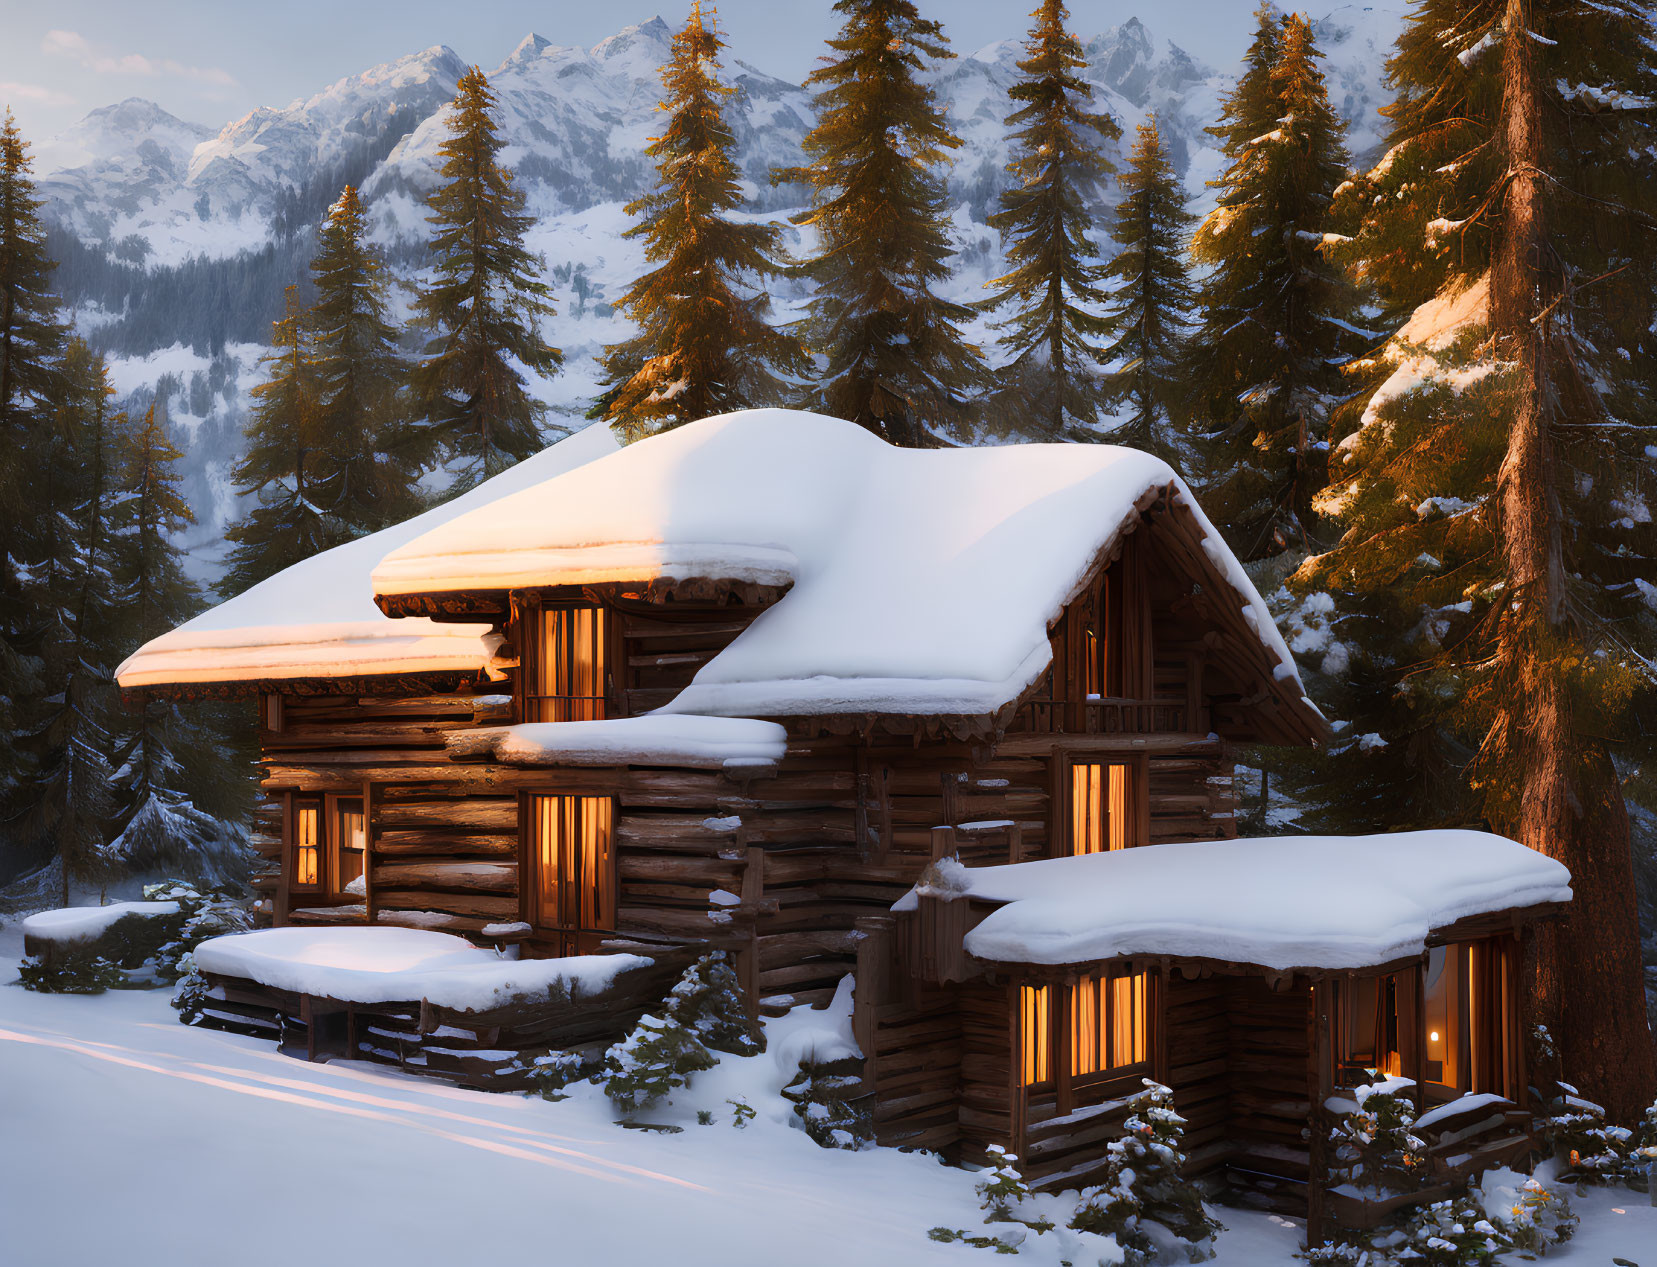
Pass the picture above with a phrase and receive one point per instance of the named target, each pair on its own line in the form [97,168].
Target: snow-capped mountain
[220,221]
[133,171]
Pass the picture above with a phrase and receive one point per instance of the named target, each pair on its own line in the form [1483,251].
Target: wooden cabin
[742,686]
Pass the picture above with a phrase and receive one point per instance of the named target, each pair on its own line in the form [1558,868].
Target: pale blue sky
[213,60]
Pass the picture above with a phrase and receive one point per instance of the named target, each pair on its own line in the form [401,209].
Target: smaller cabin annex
[747,685]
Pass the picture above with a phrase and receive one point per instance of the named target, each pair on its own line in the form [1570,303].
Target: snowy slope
[141,1141]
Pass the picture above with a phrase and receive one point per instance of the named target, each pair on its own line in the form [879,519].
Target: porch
[1260,980]
[424,1001]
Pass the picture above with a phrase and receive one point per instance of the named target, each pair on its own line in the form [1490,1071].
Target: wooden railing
[1104,716]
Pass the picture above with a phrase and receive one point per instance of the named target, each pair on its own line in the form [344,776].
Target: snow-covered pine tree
[282,466]
[1147,324]
[155,822]
[79,598]
[1493,491]
[1054,388]
[1143,1183]
[368,474]
[31,342]
[1276,313]
[484,304]
[897,362]
[658,1057]
[708,1000]
[704,345]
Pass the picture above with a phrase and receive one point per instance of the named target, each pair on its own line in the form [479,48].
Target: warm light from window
[1035,1010]
[308,848]
[1433,1037]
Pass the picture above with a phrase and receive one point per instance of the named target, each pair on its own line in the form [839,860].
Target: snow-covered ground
[128,1138]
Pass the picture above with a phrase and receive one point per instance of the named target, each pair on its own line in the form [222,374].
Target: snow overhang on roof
[921,581]
[732,744]
[317,619]
[1277,903]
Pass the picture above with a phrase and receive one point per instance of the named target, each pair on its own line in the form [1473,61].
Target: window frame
[535,704]
[1135,791]
[575,937]
[1057,1055]
[299,807]
[327,806]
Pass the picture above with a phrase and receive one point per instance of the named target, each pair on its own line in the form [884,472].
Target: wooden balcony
[1102,716]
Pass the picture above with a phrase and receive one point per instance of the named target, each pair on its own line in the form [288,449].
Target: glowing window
[1035,1012]
[1109,1024]
[307,845]
[567,667]
[571,840]
[351,844]
[1098,807]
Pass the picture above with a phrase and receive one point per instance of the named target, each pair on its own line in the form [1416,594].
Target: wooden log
[482,877]
[403,843]
[481,906]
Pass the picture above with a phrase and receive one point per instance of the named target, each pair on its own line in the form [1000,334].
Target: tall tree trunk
[1586,975]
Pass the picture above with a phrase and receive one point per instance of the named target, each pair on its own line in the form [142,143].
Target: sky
[211,61]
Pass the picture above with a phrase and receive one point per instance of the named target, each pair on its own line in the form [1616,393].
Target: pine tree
[485,304]
[154,821]
[897,362]
[704,346]
[1276,313]
[1144,1182]
[31,340]
[284,466]
[1498,541]
[1147,324]
[367,478]
[78,596]
[1052,340]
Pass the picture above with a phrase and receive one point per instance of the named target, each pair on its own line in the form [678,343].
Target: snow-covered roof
[696,743]
[318,618]
[1334,902]
[400,965]
[923,581]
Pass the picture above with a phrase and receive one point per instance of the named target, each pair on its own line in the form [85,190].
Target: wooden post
[747,959]
[871,983]
[1420,971]
[1317,1024]
[949,789]
[284,875]
[943,842]
[1016,1096]
[370,911]
[1015,843]
[1059,1011]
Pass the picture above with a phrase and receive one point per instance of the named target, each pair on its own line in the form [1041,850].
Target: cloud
[37,93]
[74,45]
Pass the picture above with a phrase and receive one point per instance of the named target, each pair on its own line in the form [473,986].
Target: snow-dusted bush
[1003,1194]
[656,1059]
[1373,1146]
[201,915]
[830,1103]
[1144,1188]
[553,1073]
[1453,1233]
[70,970]
[1589,1149]
[1005,1199]
[709,1001]
[190,994]
[1531,1218]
